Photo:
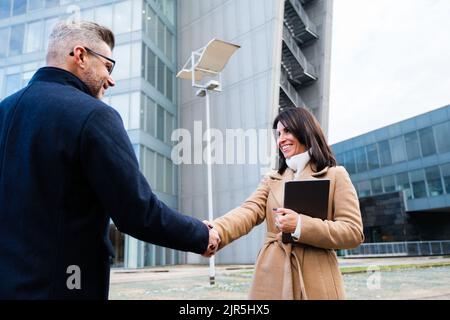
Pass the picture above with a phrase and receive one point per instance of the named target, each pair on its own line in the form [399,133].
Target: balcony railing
[298,68]
[289,90]
[298,22]
[409,248]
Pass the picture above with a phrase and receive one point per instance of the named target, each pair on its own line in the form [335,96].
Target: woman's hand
[285,219]
[214,240]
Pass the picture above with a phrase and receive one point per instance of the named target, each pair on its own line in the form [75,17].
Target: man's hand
[214,240]
[285,220]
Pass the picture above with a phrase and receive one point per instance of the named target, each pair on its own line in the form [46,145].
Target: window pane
[161,76]
[385,153]
[143,107]
[403,184]
[389,183]
[88,15]
[5,9]
[135,111]
[122,56]
[168,8]
[434,181]
[427,141]
[350,162]
[35,4]
[442,137]
[412,145]
[160,173]
[136,62]
[49,24]
[16,40]
[136,22]
[446,175]
[26,77]
[104,16]
[169,127]
[372,155]
[151,117]
[161,35]
[141,159]
[160,124]
[51,3]
[19,7]
[169,84]
[169,44]
[121,104]
[122,17]
[143,63]
[150,20]
[169,177]
[398,150]
[34,37]
[12,83]
[376,186]
[151,67]
[150,167]
[364,188]
[4,34]
[340,159]
[361,161]
[418,184]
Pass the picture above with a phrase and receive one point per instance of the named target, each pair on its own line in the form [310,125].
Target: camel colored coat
[309,268]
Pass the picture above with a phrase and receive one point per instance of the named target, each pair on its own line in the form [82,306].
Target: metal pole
[212,272]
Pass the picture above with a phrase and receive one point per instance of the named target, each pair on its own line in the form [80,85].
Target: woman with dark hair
[308,267]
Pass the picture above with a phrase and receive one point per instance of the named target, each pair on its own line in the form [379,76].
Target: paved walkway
[411,278]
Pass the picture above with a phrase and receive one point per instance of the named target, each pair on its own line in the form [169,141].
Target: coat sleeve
[112,170]
[346,231]
[241,220]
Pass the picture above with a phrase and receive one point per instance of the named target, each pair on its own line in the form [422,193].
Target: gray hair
[66,35]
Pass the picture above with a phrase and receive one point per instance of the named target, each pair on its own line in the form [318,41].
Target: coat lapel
[308,173]
[277,186]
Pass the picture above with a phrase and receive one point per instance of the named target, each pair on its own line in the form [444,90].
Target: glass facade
[383,166]
[145,91]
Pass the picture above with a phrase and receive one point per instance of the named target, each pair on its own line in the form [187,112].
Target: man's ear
[80,56]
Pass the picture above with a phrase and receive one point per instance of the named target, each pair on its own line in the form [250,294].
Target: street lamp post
[208,62]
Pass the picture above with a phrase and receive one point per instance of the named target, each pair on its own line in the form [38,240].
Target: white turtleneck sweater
[297,163]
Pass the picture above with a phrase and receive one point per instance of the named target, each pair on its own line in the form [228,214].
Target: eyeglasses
[109,67]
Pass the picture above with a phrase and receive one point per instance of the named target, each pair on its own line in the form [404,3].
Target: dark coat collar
[61,76]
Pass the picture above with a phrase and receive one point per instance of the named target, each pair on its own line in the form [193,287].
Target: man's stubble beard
[93,83]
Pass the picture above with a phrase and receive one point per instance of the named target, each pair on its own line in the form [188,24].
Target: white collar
[298,162]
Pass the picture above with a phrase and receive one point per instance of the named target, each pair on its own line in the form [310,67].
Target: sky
[390,62]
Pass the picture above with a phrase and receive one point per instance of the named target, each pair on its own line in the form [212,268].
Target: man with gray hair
[66,168]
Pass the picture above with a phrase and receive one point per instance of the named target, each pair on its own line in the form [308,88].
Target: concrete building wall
[316,96]
[246,102]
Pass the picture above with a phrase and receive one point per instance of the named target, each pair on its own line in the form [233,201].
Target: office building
[402,175]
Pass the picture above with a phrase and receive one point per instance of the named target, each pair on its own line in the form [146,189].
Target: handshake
[214,240]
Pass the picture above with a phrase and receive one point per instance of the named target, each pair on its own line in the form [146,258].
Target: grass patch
[347,270]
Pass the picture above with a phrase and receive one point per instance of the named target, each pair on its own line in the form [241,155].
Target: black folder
[309,197]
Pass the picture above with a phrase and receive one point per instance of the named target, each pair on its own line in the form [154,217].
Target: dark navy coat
[66,167]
